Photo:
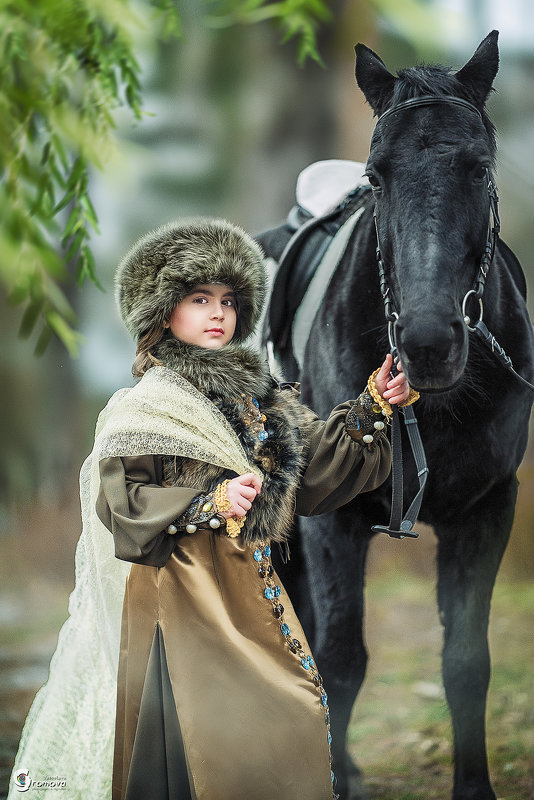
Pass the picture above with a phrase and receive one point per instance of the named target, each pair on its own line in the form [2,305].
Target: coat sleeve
[137,510]
[338,466]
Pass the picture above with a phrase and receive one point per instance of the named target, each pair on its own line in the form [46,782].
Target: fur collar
[227,373]
[281,458]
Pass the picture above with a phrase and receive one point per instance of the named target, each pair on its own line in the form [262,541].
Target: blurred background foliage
[66,66]
[119,115]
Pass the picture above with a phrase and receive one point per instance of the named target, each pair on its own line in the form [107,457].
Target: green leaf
[19,294]
[89,267]
[56,174]
[64,332]
[170,18]
[297,19]
[66,199]
[90,212]
[43,341]
[60,150]
[45,153]
[75,245]
[30,317]
[77,171]
[73,223]
[57,298]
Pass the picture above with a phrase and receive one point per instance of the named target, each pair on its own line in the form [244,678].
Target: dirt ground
[400,734]
[400,731]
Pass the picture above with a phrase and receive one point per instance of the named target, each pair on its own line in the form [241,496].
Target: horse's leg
[335,565]
[468,559]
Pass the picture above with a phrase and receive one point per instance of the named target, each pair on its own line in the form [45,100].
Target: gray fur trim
[167,263]
[226,372]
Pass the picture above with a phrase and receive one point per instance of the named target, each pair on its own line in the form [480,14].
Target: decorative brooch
[253,418]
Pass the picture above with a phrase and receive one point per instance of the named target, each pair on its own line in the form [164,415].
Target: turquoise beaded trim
[272,592]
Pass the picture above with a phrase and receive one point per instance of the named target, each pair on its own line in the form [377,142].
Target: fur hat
[167,263]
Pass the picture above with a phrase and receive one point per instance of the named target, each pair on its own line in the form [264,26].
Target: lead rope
[400,526]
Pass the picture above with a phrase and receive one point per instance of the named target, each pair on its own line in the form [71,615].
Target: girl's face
[206,317]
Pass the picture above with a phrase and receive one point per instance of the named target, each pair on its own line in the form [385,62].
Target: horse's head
[429,166]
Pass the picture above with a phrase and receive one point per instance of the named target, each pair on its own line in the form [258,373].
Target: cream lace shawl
[69,730]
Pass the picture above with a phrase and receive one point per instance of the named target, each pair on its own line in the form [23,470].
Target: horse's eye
[373,180]
[480,172]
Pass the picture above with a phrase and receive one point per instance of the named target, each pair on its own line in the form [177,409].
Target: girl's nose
[218,311]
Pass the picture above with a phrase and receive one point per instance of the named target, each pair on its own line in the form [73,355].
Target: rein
[479,328]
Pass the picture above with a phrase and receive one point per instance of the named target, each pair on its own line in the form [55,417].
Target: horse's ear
[373,78]
[480,71]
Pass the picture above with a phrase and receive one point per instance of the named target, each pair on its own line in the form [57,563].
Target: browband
[429,100]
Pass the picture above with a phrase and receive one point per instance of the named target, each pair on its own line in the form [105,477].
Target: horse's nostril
[425,355]
[428,345]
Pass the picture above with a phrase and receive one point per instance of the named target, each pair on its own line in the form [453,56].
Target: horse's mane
[435,79]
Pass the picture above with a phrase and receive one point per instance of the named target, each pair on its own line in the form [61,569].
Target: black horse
[430,168]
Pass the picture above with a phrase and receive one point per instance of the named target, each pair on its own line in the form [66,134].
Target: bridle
[493,230]
[488,255]
[400,526]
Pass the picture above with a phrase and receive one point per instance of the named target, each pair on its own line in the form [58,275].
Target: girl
[196,471]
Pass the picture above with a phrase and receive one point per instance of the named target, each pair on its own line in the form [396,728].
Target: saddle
[328,194]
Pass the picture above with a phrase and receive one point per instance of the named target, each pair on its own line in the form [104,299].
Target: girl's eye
[201,299]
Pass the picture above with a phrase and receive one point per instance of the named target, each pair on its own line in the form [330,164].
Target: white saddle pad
[323,185]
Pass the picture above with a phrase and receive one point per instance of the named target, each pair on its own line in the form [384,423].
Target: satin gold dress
[214,701]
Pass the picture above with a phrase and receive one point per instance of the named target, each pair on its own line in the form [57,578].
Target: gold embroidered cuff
[233,524]
[221,498]
[384,405]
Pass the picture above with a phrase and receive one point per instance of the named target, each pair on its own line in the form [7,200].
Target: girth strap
[312,231]
[313,298]
[298,264]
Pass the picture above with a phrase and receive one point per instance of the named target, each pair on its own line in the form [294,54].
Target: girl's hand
[394,390]
[241,492]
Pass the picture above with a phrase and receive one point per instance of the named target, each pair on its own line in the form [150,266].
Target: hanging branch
[65,67]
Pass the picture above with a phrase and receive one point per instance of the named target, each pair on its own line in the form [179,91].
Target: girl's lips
[215,331]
